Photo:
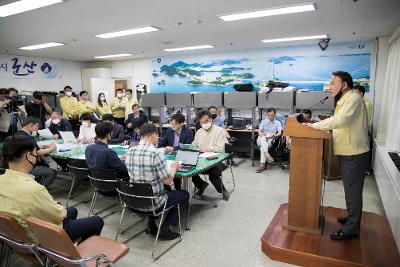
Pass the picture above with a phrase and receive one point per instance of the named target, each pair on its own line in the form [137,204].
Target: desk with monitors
[154,106]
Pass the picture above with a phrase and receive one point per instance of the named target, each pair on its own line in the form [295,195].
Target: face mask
[33,164]
[206,126]
[339,95]
[213,116]
[56,121]
[123,94]
[119,95]
[69,93]
[85,124]
[129,96]
[102,98]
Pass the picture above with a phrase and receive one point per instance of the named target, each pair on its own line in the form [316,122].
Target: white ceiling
[76,22]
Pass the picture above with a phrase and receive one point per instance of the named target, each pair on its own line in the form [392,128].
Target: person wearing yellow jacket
[118,106]
[131,101]
[361,90]
[102,106]
[69,107]
[349,126]
[85,106]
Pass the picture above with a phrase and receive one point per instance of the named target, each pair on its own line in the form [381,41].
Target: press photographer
[12,112]
[38,108]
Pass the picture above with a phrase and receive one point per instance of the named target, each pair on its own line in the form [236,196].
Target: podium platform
[375,245]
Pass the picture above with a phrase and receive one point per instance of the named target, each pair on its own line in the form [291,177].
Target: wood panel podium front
[306,155]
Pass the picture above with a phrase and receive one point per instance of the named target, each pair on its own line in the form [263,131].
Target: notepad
[208,154]
[45,133]
[68,136]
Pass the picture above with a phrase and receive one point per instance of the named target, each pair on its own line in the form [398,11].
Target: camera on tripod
[15,102]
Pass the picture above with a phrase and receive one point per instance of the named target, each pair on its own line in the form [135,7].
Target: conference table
[77,151]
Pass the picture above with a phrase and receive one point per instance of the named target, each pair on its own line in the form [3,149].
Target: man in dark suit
[118,132]
[58,124]
[177,134]
[136,119]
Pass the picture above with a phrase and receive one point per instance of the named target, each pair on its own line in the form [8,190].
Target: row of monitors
[279,100]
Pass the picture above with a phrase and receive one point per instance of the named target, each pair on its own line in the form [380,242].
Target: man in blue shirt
[217,120]
[118,133]
[99,156]
[177,134]
[58,124]
[270,129]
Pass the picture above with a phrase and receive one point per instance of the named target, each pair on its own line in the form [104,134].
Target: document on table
[45,133]
[170,162]
[68,136]
[208,154]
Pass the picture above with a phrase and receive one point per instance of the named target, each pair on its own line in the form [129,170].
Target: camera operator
[11,107]
[38,108]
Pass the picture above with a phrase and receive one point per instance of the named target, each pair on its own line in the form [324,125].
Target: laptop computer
[188,159]
[239,123]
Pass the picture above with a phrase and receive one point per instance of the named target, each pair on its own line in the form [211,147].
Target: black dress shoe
[342,220]
[168,235]
[342,235]
[202,188]
[152,230]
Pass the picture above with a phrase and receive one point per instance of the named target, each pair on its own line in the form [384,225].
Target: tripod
[15,119]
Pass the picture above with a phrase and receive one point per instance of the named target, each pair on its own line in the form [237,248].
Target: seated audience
[57,124]
[146,166]
[136,119]
[38,108]
[86,131]
[210,138]
[102,107]
[118,132]
[41,168]
[177,134]
[270,129]
[99,156]
[217,120]
[84,105]
[21,197]
[118,106]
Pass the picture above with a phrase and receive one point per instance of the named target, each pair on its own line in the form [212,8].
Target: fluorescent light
[128,32]
[189,48]
[269,12]
[289,39]
[116,55]
[24,5]
[40,46]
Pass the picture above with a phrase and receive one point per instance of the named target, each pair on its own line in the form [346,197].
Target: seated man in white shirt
[87,133]
[210,138]
[270,129]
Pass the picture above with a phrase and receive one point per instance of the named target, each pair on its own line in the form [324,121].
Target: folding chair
[78,170]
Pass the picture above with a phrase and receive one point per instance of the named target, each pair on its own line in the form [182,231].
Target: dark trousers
[177,184]
[3,136]
[174,197]
[353,170]
[61,162]
[214,176]
[81,228]
[48,174]
[120,121]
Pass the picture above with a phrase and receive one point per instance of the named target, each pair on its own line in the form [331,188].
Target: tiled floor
[227,235]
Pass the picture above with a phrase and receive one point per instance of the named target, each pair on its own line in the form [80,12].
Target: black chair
[78,171]
[276,150]
[229,149]
[136,197]
[103,181]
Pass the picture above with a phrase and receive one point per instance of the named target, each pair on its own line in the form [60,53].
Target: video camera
[15,102]
[272,84]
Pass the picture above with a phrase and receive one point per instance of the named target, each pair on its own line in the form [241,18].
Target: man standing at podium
[349,126]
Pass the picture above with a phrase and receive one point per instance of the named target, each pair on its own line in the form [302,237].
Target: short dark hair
[67,87]
[119,90]
[307,111]
[15,146]
[271,110]
[203,113]
[3,91]
[37,95]
[178,117]
[108,117]
[210,107]
[103,129]
[128,90]
[12,89]
[148,129]
[83,92]
[360,88]
[345,77]
[135,105]
[30,120]
[86,117]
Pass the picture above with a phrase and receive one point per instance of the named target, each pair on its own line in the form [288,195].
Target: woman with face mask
[118,106]
[87,133]
[102,106]
[18,188]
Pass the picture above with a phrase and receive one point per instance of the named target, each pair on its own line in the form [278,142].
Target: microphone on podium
[319,102]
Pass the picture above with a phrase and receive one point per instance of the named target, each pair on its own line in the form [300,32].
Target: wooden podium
[305,176]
